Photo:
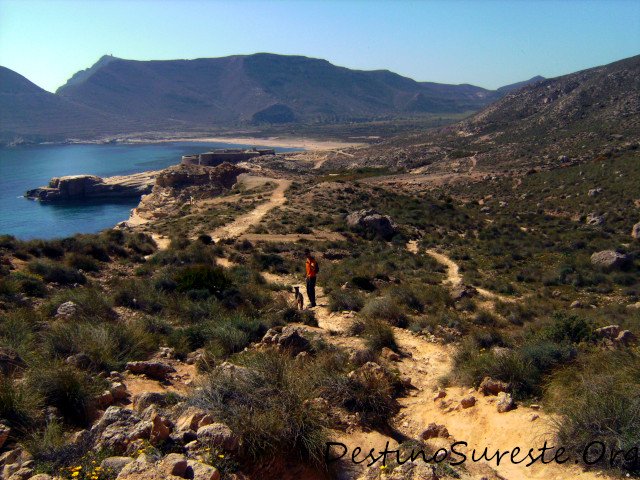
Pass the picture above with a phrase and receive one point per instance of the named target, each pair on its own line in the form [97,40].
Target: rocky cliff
[84,187]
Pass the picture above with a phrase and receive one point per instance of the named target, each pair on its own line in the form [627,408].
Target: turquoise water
[27,167]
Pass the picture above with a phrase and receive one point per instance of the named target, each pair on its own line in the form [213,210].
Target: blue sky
[487,43]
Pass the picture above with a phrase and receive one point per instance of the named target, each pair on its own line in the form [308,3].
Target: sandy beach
[285,142]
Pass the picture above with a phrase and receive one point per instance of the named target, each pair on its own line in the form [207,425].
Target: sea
[25,167]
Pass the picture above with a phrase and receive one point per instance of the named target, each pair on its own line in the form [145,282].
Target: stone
[116,429]
[439,394]
[371,221]
[105,399]
[23,473]
[4,434]
[204,421]
[160,429]
[534,417]
[10,361]
[389,354]
[575,304]
[174,464]
[369,370]
[119,391]
[79,360]
[505,403]
[468,401]
[626,337]
[115,464]
[67,309]
[609,259]
[434,430]
[610,331]
[218,435]
[202,471]
[41,476]
[153,369]
[292,341]
[594,192]
[142,470]
[459,292]
[489,386]
[190,419]
[594,219]
[635,231]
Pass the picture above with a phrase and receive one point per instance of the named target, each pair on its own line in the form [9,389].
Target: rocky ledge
[86,187]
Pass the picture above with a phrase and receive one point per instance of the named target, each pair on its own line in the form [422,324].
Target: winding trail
[424,362]
[242,223]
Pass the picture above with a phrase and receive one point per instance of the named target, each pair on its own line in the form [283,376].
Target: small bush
[82,262]
[19,405]
[384,308]
[378,335]
[203,277]
[54,272]
[67,389]
[340,300]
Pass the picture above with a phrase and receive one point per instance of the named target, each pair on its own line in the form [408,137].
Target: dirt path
[292,237]
[242,223]
[455,279]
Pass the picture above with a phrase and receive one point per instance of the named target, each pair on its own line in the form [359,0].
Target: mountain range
[119,96]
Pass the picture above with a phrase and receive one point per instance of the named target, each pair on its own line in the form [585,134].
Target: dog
[299,298]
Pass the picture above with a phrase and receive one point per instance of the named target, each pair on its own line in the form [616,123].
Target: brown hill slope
[565,119]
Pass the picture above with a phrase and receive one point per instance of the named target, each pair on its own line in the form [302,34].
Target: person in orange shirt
[312,270]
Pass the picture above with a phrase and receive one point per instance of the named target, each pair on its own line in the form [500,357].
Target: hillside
[260,87]
[29,112]
[567,119]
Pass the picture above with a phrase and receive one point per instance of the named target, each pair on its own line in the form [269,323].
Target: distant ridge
[123,96]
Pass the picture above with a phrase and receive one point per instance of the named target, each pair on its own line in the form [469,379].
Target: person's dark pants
[311,290]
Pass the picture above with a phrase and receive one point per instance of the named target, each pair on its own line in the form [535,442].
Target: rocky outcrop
[372,222]
[74,188]
[182,176]
[609,259]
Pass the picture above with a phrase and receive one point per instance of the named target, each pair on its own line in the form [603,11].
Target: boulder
[610,331]
[367,371]
[594,192]
[41,476]
[153,369]
[609,259]
[67,309]
[489,386]
[459,292]
[389,354]
[79,360]
[626,337]
[292,341]
[142,401]
[160,429]
[119,391]
[594,219]
[142,470]
[505,403]
[23,473]
[434,430]
[218,435]
[635,231]
[117,428]
[190,419]
[371,221]
[202,471]
[468,401]
[115,464]
[174,464]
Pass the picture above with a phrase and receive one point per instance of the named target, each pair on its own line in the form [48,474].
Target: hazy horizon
[488,44]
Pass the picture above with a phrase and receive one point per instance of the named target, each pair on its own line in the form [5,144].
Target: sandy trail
[455,279]
[425,362]
[241,224]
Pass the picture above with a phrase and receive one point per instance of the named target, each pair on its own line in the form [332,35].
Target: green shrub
[67,389]
[266,405]
[91,303]
[385,308]
[83,262]
[203,277]
[340,300]
[599,399]
[379,334]
[19,405]
[54,272]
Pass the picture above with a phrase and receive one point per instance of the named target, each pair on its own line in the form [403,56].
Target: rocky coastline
[77,188]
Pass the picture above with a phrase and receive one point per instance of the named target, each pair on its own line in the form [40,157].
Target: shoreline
[305,144]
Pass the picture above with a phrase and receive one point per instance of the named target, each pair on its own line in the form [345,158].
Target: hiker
[312,269]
